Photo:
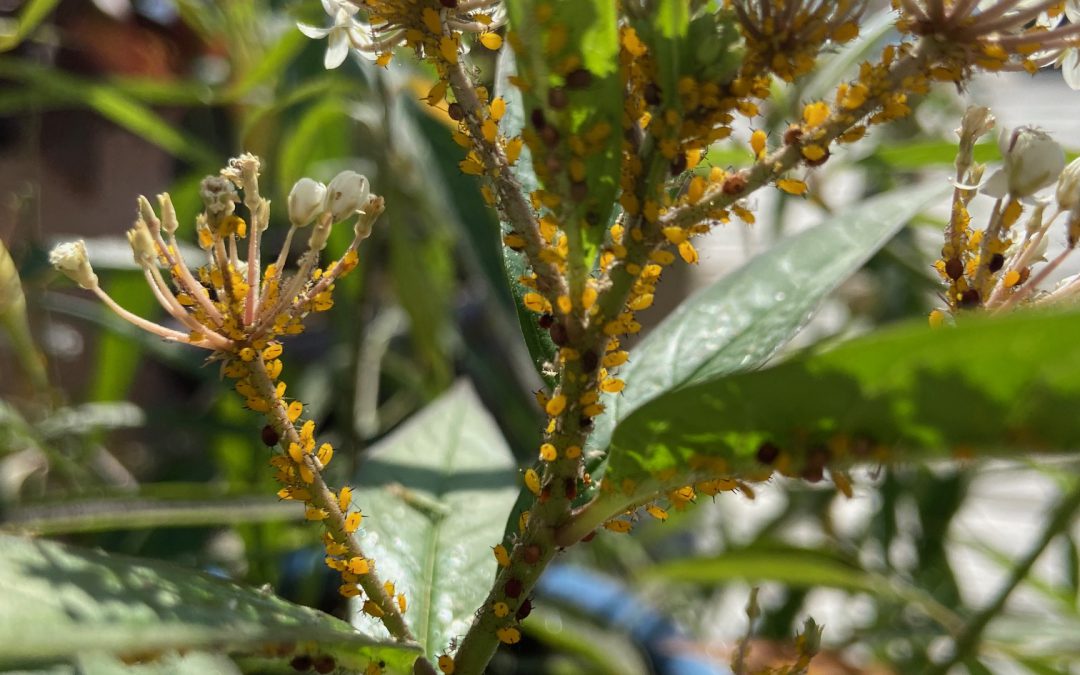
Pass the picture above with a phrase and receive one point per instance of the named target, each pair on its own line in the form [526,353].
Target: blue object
[611,603]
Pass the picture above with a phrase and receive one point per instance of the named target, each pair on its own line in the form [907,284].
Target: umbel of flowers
[240,312]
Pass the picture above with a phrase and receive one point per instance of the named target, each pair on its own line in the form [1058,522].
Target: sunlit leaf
[436,495]
[61,602]
[741,320]
[986,387]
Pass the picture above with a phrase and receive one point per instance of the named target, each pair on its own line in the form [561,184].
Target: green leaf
[740,321]
[988,386]
[63,602]
[791,566]
[32,14]
[537,340]
[436,495]
[558,43]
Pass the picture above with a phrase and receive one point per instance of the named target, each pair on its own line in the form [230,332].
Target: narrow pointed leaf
[436,495]
[61,603]
[739,322]
[988,387]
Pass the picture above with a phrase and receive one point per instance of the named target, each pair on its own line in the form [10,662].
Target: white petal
[997,185]
[1072,11]
[1070,68]
[337,50]
[313,32]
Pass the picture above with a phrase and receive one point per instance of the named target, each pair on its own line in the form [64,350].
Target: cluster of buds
[994,268]
[239,312]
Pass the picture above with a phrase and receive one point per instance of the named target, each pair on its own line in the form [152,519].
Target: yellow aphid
[389,588]
[501,556]
[431,20]
[402,603]
[556,405]
[306,474]
[792,186]
[815,114]
[325,454]
[296,452]
[612,385]
[937,317]
[656,512]
[352,521]
[358,565]
[1012,278]
[523,521]
[446,664]
[588,297]
[509,635]
[813,152]
[349,590]
[620,526]
[448,49]
[532,481]
[247,354]
[757,143]
[371,609]
[573,452]
[345,498]
[272,351]
[500,609]
[534,302]
[490,130]
[491,40]
[643,301]
[513,149]
[471,167]
[295,409]
[312,513]
[498,108]
[565,305]
[688,253]
[548,453]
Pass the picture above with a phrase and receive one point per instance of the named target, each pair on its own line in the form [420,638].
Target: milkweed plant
[594,151]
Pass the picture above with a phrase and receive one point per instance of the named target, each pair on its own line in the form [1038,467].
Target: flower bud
[306,200]
[1068,186]
[319,234]
[1033,160]
[347,193]
[70,258]
[219,196]
[146,212]
[142,243]
[169,223]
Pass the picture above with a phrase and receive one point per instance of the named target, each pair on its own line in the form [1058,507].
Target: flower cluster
[994,268]
[427,26]
[240,312]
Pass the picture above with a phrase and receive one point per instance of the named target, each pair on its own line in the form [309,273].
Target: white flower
[70,258]
[1068,187]
[307,199]
[1033,160]
[346,194]
[347,31]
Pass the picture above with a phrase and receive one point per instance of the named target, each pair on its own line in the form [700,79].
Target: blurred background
[112,439]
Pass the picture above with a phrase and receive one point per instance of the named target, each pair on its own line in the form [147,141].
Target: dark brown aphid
[545,321]
[954,269]
[513,588]
[589,361]
[579,191]
[579,79]
[767,453]
[301,662]
[451,4]
[652,94]
[734,184]
[537,119]
[557,98]
[545,494]
[997,261]
[324,664]
[678,165]
[969,299]
[531,554]
[793,134]
[455,111]
[1024,274]
[524,610]
[270,436]
[589,537]
[816,459]
[585,423]
[558,334]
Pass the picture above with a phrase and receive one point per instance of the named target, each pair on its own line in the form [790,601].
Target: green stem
[968,642]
